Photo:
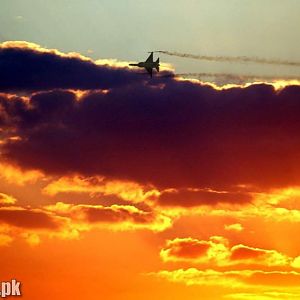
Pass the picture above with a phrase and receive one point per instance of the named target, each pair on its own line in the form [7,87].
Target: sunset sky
[117,186]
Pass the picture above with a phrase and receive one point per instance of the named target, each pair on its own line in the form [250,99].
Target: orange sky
[230,252]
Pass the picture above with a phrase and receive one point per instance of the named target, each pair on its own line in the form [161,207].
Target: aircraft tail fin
[157,65]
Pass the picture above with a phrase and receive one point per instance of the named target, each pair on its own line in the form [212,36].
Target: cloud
[196,197]
[169,134]
[7,199]
[29,67]
[33,224]
[259,210]
[178,136]
[129,191]
[263,296]
[114,217]
[5,240]
[186,248]
[69,221]
[15,175]
[223,79]
[296,262]
[246,254]
[27,218]
[233,279]
[217,252]
[234,227]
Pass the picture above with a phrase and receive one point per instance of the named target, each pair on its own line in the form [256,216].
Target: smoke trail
[237,76]
[226,78]
[239,59]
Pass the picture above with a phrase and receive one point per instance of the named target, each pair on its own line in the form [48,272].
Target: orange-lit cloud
[296,262]
[126,190]
[29,224]
[234,227]
[15,175]
[233,279]
[7,199]
[26,218]
[245,254]
[187,248]
[276,206]
[5,239]
[69,221]
[197,197]
[263,296]
[217,252]
[115,217]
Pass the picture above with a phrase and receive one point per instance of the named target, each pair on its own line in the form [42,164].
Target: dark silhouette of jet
[149,64]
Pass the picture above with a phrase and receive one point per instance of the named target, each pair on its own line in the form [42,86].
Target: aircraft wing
[149,70]
[150,58]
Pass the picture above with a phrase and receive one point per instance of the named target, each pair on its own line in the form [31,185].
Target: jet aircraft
[149,64]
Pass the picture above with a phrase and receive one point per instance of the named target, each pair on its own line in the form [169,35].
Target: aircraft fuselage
[146,65]
[149,64]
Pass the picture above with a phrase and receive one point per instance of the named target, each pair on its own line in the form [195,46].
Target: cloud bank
[168,133]
[29,67]
[179,135]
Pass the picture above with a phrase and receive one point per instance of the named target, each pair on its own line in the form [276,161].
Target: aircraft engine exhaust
[226,78]
[238,76]
[238,59]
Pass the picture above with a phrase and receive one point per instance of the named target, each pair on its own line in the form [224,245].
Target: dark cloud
[172,134]
[27,219]
[241,252]
[177,135]
[217,252]
[188,198]
[117,215]
[29,69]
[187,248]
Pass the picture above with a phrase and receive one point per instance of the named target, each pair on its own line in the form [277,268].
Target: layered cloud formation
[103,147]
[172,134]
[217,251]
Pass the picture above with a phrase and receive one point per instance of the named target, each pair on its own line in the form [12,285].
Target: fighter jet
[149,64]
